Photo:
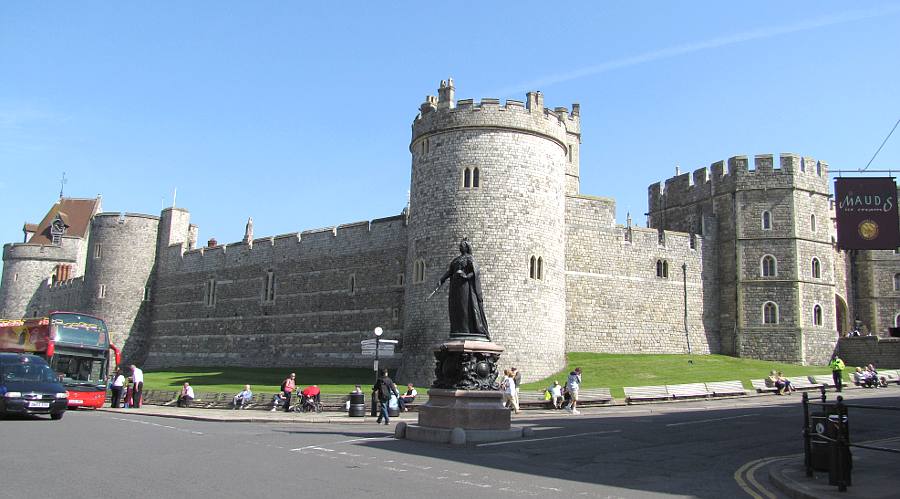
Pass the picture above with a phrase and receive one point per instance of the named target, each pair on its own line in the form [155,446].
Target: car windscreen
[22,372]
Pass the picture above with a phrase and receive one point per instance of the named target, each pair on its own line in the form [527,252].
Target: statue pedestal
[465,404]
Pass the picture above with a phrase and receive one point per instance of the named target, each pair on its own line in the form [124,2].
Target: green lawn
[599,370]
[617,371]
[265,380]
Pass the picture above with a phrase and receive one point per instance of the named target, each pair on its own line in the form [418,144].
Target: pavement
[874,473]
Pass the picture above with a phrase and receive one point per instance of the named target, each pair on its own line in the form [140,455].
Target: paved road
[692,449]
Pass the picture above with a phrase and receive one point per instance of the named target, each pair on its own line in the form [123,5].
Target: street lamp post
[378,332]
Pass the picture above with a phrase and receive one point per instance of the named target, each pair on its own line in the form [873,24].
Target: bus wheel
[56,415]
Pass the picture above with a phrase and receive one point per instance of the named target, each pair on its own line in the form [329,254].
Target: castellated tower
[117,280]
[496,175]
[781,281]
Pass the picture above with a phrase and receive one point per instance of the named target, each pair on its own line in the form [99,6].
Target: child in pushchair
[309,400]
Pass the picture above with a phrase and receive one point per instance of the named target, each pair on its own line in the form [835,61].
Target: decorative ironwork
[457,370]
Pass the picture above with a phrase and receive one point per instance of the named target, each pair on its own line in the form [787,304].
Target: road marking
[712,420]
[747,470]
[491,444]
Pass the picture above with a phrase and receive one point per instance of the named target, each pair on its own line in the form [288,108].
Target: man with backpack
[385,389]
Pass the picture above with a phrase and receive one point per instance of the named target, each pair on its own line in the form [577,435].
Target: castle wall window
[395,315]
[98,251]
[352,283]
[766,220]
[896,282]
[768,266]
[146,296]
[812,223]
[399,279]
[476,177]
[662,269]
[770,313]
[210,297]
[818,168]
[816,268]
[269,287]
[536,267]
[570,153]
[467,178]
[419,271]
[817,315]
[101,293]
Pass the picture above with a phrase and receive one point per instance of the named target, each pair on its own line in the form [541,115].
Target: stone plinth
[463,364]
[467,409]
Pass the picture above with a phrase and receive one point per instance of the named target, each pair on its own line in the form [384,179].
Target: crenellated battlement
[791,171]
[341,239]
[26,251]
[442,112]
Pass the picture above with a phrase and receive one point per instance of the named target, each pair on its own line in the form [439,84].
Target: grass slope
[617,371]
[600,370]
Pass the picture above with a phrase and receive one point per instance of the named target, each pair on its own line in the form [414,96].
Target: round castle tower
[26,267]
[496,175]
[120,260]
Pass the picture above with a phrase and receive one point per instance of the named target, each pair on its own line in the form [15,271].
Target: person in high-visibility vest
[837,372]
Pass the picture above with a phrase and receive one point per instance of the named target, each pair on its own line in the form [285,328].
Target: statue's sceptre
[435,290]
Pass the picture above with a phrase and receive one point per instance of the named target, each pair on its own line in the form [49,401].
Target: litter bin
[824,452]
[357,405]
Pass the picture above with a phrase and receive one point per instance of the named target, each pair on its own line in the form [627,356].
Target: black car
[29,386]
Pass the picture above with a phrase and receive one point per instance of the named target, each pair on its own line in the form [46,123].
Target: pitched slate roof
[76,213]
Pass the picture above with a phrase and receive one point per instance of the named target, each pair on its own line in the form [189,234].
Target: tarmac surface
[874,473]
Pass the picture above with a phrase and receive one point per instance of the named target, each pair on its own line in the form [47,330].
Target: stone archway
[841,315]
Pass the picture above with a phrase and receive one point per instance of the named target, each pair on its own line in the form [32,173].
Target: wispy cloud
[691,47]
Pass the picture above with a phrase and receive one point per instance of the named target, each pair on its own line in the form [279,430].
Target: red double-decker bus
[75,345]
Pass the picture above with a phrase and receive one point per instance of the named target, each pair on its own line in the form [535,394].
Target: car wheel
[56,416]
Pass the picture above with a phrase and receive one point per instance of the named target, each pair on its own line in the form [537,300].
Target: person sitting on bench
[243,397]
[187,395]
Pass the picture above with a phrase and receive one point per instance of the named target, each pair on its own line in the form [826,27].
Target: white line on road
[491,444]
[711,420]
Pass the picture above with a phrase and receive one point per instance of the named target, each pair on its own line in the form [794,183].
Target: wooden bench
[760,386]
[592,396]
[890,375]
[825,380]
[726,388]
[688,390]
[646,393]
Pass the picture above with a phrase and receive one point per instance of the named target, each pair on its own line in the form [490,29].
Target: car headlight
[62,395]
[13,395]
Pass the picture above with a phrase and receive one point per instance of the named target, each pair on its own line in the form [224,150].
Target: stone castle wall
[331,288]
[27,269]
[616,302]
[861,351]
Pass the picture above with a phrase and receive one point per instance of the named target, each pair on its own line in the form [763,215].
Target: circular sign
[868,230]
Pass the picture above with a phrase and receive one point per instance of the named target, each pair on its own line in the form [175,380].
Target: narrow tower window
[146,296]
[896,282]
[419,271]
[532,266]
[768,266]
[476,177]
[766,220]
[817,315]
[540,267]
[98,251]
[210,292]
[770,313]
[816,268]
[467,178]
[812,222]
[269,287]
[662,268]
[101,293]
[352,283]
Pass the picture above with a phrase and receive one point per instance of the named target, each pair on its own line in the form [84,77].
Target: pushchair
[308,403]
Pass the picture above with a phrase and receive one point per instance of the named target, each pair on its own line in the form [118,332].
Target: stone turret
[497,175]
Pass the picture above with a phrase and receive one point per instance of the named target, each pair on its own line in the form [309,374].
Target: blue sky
[299,114]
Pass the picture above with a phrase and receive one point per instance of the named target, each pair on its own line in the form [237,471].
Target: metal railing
[826,437]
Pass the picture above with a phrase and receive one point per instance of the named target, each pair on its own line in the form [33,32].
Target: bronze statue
[465,302]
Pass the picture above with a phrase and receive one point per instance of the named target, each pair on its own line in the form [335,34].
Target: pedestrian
[573,384]
[517,378]
[187,395]
[118,384]
[288,386]
[556,397]
[508,387]
[384,388]
[837,371]
[137,377]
